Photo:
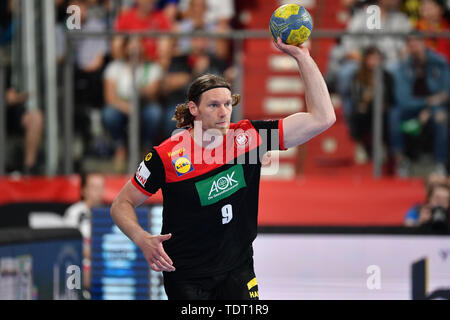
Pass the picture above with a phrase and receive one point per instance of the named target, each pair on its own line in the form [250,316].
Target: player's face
[214,109]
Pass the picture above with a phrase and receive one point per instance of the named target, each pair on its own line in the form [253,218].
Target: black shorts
[237,284]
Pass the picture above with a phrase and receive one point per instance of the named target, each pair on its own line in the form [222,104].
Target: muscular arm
[302,126]
[124,216]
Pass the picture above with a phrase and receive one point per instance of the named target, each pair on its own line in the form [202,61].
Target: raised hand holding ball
[292,23]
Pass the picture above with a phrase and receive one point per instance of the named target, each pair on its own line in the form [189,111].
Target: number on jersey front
[227,213]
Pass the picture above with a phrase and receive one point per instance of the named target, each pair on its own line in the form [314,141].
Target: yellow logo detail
[252,283]
[298,36]
[254,294]
[287,10]
[182,165]
[176,152]
[148,156]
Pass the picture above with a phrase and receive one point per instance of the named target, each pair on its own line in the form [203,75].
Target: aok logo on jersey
[221,186]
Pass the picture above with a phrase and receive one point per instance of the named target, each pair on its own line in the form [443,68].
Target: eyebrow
[218,102]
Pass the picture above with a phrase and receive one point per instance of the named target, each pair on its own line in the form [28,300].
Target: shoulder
[155,68]
[256,125]
[358,21]
[244,124]
[402,20]
[95,24]
[436,58]
[161,19]
[401,67]
[113,69]
[177,143]
[125,17]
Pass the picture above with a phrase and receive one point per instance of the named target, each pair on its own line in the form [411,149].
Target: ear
[193,108]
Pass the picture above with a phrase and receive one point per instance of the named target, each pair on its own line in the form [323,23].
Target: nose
[223,110]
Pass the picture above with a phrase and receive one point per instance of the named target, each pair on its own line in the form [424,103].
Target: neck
[143,12]
[208,139]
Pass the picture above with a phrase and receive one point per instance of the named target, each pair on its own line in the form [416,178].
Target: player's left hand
[293,51]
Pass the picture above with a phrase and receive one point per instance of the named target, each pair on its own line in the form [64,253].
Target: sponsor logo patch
[221,186]
[148,156]
[142,174]
[178,152]
[182,165]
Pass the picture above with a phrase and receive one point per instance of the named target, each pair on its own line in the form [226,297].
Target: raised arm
[302,126]
[124,216]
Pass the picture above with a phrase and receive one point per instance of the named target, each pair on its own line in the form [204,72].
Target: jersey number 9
[227,213]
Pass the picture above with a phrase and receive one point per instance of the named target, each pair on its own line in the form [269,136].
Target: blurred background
[88,87]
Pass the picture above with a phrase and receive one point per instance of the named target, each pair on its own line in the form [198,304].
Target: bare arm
[302,126]
[124,216]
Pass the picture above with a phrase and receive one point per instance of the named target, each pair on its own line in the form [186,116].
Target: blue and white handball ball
[292,23]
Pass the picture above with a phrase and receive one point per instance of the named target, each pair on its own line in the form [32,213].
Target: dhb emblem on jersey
[142,174]
[242,139]
[182,165]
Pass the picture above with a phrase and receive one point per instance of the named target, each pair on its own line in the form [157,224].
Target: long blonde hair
[206,82]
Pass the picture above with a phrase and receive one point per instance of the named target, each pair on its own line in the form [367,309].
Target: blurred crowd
[103,70]
[415,74]
[433,214]
[415,78]
[163,67]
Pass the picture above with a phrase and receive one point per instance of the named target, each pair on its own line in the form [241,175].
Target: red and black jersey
[210,196]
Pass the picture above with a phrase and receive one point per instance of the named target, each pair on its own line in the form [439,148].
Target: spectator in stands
[346,57]
[79,215]
[432,19]
[421,87]
[169,8]
[6,24]
[193,19]
[20,120]
[118,88]
[434,214]
[182,69]
[145,17]
[362,94]
[433,179]
[90,54]
[217,16]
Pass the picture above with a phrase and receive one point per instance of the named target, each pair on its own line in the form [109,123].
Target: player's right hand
[152,248]
[294,51]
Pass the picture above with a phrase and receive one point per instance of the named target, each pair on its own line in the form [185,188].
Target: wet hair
[206,82]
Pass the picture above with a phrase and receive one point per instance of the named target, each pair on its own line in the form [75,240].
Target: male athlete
[209,176]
